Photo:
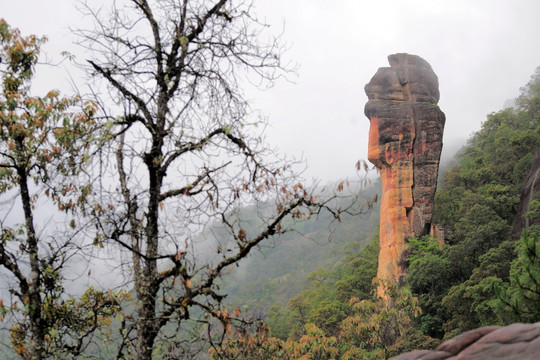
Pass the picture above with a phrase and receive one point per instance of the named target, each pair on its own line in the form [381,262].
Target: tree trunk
[147,323]
[147,328]
[32,297]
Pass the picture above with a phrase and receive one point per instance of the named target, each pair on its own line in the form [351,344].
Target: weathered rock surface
[530,189]
[405,143]
[513,342]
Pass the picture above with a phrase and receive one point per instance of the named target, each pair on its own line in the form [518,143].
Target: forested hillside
[483,274]
[279,270]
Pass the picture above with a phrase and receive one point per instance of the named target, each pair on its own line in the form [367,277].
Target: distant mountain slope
[277,272]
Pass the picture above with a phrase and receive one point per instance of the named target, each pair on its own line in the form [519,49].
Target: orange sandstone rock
[405,143]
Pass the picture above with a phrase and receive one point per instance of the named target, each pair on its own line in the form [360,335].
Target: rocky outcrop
[513,342]
[529,192]
[405,143]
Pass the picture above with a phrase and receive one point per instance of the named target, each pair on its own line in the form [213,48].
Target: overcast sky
[482,51]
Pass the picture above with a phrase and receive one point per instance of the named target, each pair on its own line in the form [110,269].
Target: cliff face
[530,189]
[405,143]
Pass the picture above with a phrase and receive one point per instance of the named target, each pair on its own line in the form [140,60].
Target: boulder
[513,342]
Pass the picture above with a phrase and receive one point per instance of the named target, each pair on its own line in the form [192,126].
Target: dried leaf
[179,255]
[242,235]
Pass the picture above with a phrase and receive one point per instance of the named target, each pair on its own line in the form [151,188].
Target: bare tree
[181,153]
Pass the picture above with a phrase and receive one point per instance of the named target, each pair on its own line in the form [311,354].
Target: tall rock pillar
[405,143]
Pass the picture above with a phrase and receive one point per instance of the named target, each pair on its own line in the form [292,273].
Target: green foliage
[256,346]
[277,320]
[314,345]
[529,100]
[522,294]
[413,339]
[318,305]
[70,321]
[471,305]
[328,314]
[278,273]
[374,325]
[533,214]
[372,330]
[478,231]
[356,272]
[420,248]
[320,326]
[325,300]
[430,276]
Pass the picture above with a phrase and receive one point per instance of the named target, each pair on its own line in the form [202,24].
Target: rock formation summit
[405,143]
